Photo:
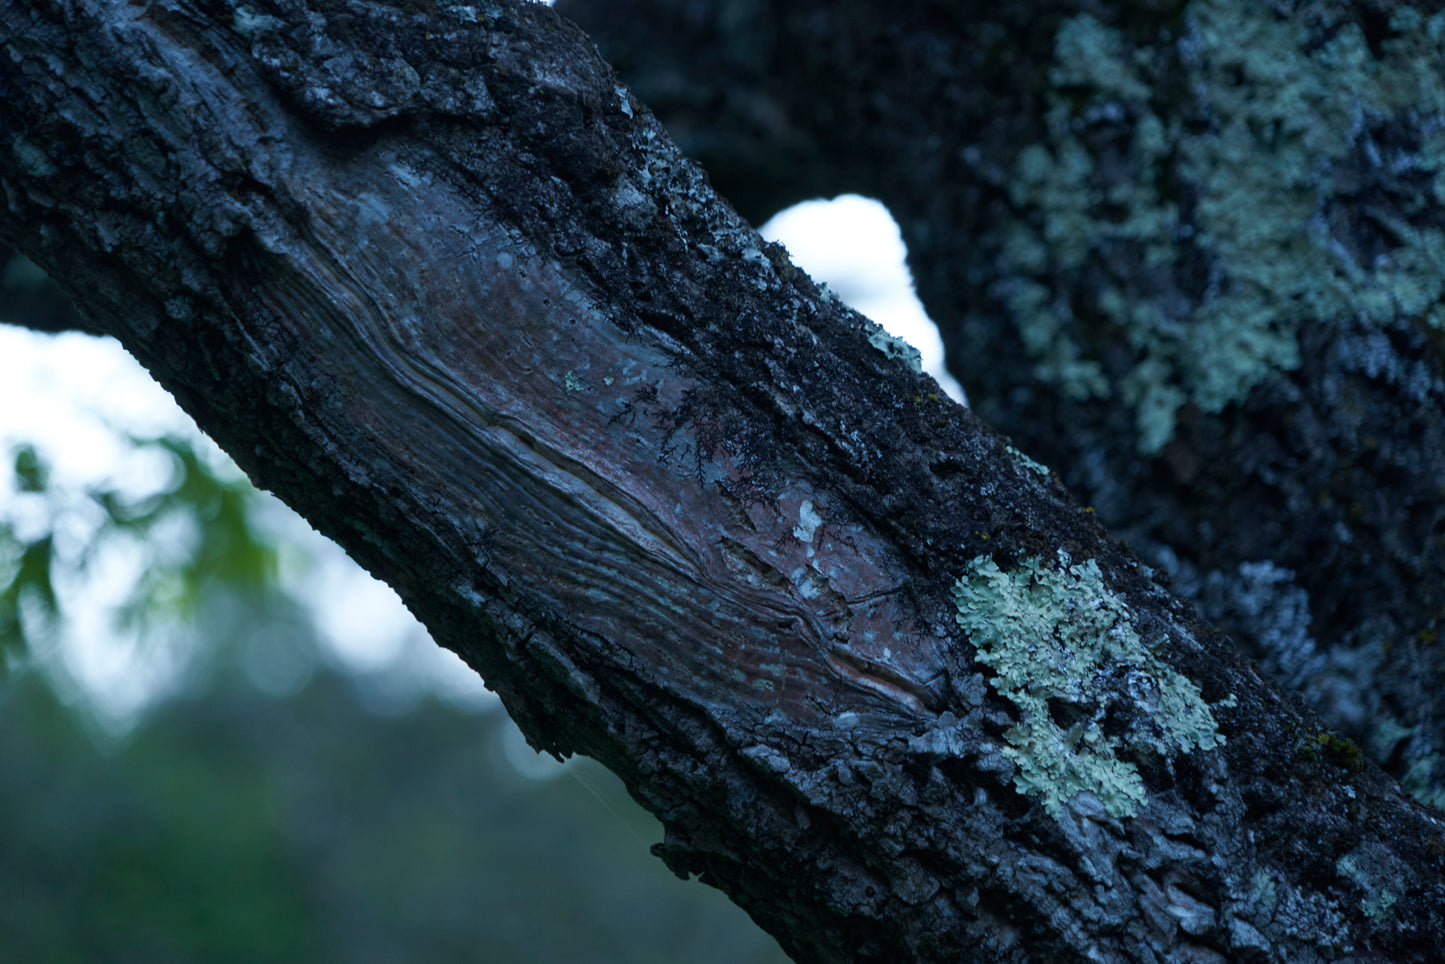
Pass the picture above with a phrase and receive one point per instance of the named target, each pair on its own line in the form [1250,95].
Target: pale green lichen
[247,21]
[1420,781]
[1262,891]
[1378,873]
[878,336]
[1089,54]
[894,347]
[572,383]
[1027,462]
[1379,904]
[1261,176]
[1064,650]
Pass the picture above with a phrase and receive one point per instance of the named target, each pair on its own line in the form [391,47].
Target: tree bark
[435,278]
[1188,254]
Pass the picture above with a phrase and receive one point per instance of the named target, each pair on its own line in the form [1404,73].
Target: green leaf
[31,472]
[31,582]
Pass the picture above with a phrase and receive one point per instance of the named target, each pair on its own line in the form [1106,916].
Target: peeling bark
[440,282]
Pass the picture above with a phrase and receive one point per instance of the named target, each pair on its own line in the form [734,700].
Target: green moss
[1064,650]
[1285,109]
[1331,747]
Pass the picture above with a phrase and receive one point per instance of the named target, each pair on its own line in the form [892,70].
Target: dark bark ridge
[436,279]
[1186,254]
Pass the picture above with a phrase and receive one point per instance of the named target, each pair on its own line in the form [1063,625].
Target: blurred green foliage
[231,552]
[232,825]
[25,565]
[198,529]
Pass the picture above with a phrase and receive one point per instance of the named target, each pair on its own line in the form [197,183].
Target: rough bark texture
[431,275]
[1191,255]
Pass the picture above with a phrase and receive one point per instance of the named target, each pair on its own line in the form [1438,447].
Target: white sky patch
[117,674]
[68,395]
[852,244]
[361,618]
[73,398]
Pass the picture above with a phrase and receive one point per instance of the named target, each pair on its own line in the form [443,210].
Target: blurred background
[220,740]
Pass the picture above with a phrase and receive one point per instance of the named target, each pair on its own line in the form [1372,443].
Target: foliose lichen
[1065,651]
[1420,781]
[894,347]
[1028,463]
[1292,121]
[1378,873]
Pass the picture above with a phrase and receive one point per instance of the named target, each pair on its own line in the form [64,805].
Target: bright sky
[852,244]
[74,397]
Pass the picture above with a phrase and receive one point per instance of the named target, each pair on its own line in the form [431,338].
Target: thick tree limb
[1188,254]
[432,276]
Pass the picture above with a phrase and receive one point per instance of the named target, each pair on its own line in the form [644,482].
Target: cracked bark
[432,276]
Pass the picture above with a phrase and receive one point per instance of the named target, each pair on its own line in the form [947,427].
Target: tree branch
[1217,314]
[441,283]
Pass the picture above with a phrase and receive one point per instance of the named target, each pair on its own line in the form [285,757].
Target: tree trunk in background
[437,280]
[1189,255]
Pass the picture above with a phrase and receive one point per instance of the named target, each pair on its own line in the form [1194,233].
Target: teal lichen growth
[878,336]
[1064,650]
[1286,109]
[247,21]
[1421,777]
[895,347]
[572,383]
[1421,782]
[1028,463]
[1378,873]
[1262,891]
